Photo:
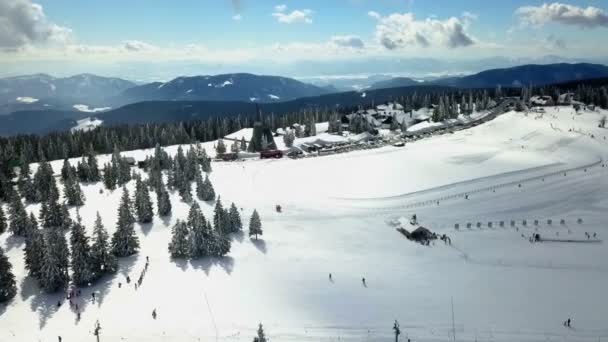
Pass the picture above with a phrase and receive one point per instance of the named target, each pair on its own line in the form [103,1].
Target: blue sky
[54,34]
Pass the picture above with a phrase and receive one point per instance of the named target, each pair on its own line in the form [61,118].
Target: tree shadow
[45,304]
[205,264]
[13,241]
[260,245]
[182,263]
[102,286]
[125,265]
[239,236]
[146,227]
[3,308]
[166,220]
[29,287]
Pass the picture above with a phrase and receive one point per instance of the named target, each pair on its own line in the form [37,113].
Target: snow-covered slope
[338,217]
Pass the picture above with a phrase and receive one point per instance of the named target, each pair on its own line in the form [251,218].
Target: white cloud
[401,30]
[553,42]
[295,16]
[589,17]
[24,23]
[280,8]
[237,17]
[351,41]
[374,14]
[137,46]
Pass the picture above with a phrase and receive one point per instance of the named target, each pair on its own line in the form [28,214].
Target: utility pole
[96,330]
[397,331]
[453,325]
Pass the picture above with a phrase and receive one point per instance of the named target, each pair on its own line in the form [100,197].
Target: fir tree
[234,219]
[200,186]
[28,191]
[208,193]
[205,161]
[102,260]
[185,190]
[124,240]
[163,201]
[94,175]
[261,335]
[179,246]
[54,271]
[3,224]
[18,217]
[82,170]
[199,233]
[34,253]
[8,286]
[72,192]
[243,144]
[66,170]
[51,213]
[220,148]
[109,178]
[255,225]
[143,204]
[218,218]
[82,272]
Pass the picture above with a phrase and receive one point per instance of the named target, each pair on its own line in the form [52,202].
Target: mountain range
[55,103]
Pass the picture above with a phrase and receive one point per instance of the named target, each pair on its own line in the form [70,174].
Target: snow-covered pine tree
[191,165]
[82,170]
[218,218]
[32,224]
[109,179]
[3,223]
[72,192]
[143,204]
[205,161]
[54,270]
[18,217]
[28,191]
[288,138]
[261,335]
[185,189]
[124,172]
[200,185]
[102,260]
[234,219]
[82,272]
[220,148]
[66,220]
[179,245]
[198,232]
[34,252]
[94,175]
[8,286]
[124,240]
[44,180]
[255,225]
[66,170]
[209,192]
[163,201]
[51,213]
[243,144]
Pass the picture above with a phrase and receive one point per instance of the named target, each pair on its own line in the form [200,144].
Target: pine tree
[102,260]
[18,217]
[185,190]
[8,286]
[205,161]
[94,175]
[34,253]
[72,192]
[143,204]
[255,225]
[66,170]
[200,186]
[218,218]
[220,148]
[243,144]
[234,219]
[28,191]
[163,201]
[51,213]
[261,335]
[124,240]
[82,170]
[199,233]
[109,178]
[179,245]
[82,272]
[3,224]
[54,271]
[208,193]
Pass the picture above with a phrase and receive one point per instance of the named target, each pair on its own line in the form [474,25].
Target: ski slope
[339,216]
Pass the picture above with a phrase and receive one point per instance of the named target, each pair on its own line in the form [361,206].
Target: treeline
[105,139]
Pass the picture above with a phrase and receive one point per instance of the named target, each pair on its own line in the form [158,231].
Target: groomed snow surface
[339,216]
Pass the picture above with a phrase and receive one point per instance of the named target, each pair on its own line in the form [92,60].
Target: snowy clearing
[87,124]
[339,216]
[87,109]
[26,99]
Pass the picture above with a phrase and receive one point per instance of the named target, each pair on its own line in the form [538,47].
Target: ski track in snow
[335,214]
